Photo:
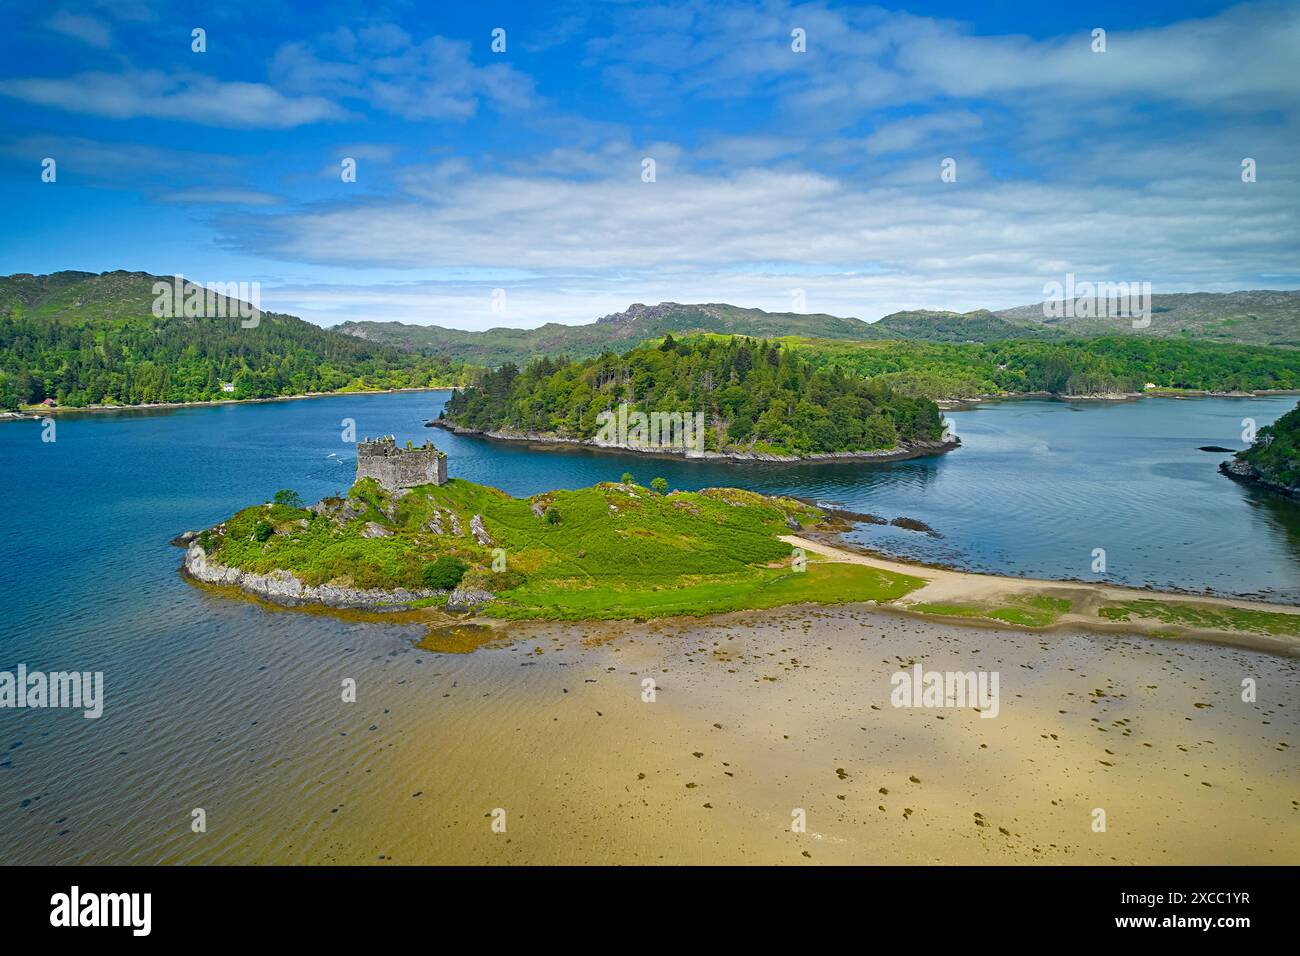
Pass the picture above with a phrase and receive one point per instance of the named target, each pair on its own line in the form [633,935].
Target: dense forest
[755,395]
[1275,455]
[139,360]
[1070,367]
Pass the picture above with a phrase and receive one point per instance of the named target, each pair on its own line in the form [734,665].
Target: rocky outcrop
[467,599]
[479,532]
[1244,471]
[341,510]
[282,587]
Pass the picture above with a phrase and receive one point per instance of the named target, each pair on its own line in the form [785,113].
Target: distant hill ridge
[1252,317]
[615,332]
[1256,317]
[1247,318]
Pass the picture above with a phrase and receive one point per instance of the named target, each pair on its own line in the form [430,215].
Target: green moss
[948,610]
[1036,611]
[1205,616]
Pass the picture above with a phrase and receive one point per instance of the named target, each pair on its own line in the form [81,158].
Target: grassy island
[610,551]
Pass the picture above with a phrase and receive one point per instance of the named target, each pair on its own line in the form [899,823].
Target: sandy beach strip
[947,586]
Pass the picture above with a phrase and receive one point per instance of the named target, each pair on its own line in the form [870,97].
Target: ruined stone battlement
[395,467]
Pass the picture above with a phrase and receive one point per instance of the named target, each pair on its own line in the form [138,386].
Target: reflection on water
[1280,513]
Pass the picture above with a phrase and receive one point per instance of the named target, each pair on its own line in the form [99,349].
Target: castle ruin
[394,467]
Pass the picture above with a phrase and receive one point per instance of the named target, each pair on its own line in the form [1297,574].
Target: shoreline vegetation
[1107,368]
[901,452]
[620,551]
[1273,459]
[40,411]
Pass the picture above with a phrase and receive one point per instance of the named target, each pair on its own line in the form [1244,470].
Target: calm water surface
[195,682]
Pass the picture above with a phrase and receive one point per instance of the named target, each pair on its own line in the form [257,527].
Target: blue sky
[782,178]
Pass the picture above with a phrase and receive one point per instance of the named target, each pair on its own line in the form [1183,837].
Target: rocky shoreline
[902,452]
[1247,473]
[282,587]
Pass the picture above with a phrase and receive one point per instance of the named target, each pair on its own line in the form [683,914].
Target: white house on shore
[227,386]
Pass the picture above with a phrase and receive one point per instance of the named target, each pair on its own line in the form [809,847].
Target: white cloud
[188,97]
[456,217]
[906,134]
[239,197]
[750,235]
[87,29]
[864,59]
[383,66]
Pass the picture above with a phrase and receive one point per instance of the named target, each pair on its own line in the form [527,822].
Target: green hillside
[85,339]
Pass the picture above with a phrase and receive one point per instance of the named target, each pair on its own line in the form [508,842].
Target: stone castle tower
[395,467]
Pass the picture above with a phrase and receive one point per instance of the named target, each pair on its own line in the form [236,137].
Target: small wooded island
[701,397]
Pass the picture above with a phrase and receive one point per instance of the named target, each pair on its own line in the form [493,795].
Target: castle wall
[401,468]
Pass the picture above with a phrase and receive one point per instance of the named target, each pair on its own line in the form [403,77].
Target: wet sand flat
[757,716]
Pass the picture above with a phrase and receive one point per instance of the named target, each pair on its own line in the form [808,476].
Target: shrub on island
[444,573]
